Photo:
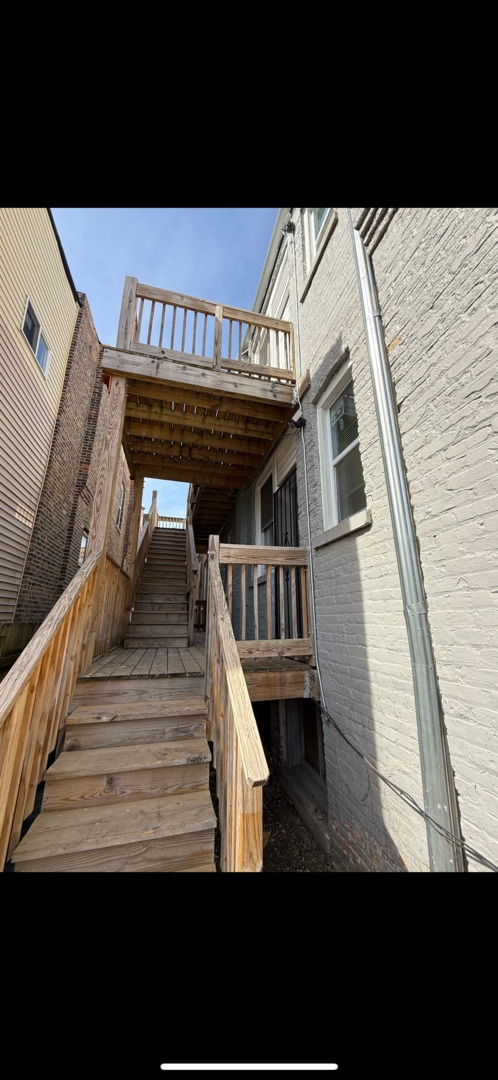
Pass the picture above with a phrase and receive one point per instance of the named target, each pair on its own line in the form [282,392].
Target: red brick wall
[65,505]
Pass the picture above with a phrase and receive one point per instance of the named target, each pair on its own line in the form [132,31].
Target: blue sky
[214,253]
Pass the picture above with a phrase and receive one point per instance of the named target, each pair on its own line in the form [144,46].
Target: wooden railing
[192,580]
[149,524]
[34,698]
[170,522]
[268,600]
[158,322]
[238,755]
[113,614]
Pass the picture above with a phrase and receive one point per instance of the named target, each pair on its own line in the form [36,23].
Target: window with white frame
[319,224]
[33,333]
[343,486]
[270,345]
[318,218]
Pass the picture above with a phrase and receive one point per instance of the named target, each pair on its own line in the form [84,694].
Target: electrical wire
[409,800]
[404,795]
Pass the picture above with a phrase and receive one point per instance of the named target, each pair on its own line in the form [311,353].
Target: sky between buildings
[215,253]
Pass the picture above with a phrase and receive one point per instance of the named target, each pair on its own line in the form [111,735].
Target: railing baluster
[277,335]
[173,323]
[195,331]
[229,590]
[162,325]
[240,340]
[218,331]
[255,582]
[304,602]
[243,600]
[151,320]
[282,601]
[204,335]
[230,339]
[269,633]
[286,350]
[185,313]
[293,573]
[139,324]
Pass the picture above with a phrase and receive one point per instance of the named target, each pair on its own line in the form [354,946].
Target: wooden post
[138,488]
[102,504]
[128,314]
[218,332]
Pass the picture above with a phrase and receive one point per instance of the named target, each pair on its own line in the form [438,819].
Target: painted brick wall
[436,275]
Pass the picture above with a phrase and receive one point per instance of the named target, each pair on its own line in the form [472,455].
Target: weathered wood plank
[175,662]
[193,374]
[255,596]
[287,647]
[164,467]
[126,325]
[278,685]
[276,556]
[164,296]
[152,394]
[196,431]
[13,746]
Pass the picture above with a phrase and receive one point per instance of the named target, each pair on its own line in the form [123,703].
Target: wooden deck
[267,679]
[209,391]
[147,663]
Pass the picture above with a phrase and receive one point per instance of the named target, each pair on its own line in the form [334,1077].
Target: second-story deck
[210,389]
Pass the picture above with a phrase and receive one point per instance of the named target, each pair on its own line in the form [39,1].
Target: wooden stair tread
[129,758]
[184,704]
[92,828]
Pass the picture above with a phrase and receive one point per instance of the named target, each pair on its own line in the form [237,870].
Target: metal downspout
[440,800]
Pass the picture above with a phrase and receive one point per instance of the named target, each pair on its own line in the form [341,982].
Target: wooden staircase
[130,791]
[160,610]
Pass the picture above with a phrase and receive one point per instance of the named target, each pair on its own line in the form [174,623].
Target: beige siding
[30,266]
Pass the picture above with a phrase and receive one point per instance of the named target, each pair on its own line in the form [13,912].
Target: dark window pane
[318,218]
[31,327]
[42,353]
[266,503]
[343,421]
[350,484]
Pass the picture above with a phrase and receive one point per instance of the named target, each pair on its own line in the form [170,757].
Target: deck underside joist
[213,428]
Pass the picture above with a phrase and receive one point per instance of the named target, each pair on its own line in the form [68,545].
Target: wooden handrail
[238,755]
[34,697]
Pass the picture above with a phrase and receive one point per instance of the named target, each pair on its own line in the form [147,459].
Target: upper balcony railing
[184,328]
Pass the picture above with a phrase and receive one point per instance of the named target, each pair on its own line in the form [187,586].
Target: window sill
[345,528]
[329,228]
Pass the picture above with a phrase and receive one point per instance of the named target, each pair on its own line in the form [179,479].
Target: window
[33,333]
[119,518]
[317,217]
[319,224]
[266,503]
[343,485]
